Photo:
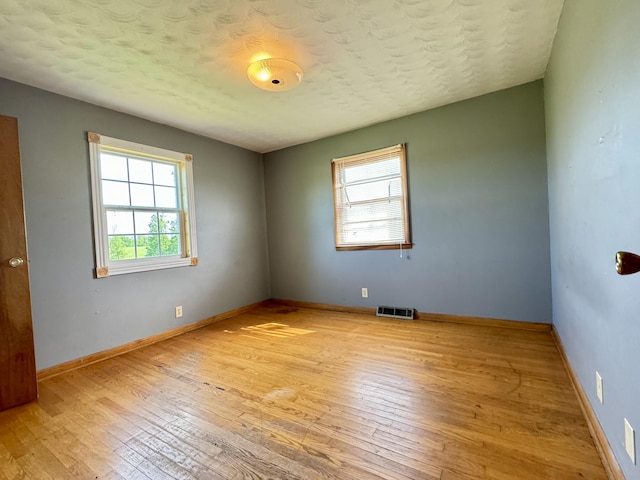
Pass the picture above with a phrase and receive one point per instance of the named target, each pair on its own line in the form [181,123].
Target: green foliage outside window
[163,240]
[121,247]
[168,240]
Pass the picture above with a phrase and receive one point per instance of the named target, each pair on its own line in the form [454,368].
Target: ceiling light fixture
[275,74]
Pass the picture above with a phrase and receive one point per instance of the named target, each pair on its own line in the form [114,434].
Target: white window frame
[184,162]
[338,167]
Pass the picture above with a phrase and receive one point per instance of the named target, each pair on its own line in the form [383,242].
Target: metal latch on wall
[627,263]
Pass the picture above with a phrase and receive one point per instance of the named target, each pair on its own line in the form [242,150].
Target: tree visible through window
[123,247]
[143,207]
[371,201]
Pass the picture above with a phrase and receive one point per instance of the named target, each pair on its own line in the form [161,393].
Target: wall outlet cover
[629,440]
[599,387]
[365,292]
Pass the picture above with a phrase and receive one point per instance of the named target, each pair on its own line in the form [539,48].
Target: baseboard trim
[322,306]
[143,342]
[434,317]
[486,322]
[614,472]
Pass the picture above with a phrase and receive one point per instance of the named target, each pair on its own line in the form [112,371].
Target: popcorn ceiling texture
[183,62]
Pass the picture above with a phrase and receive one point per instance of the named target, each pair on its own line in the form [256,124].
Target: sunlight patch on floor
[278,330]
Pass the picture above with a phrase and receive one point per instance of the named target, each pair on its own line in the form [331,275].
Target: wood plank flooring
[298,394]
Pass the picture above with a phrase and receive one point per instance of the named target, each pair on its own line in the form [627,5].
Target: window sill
[394,246]
[122,267]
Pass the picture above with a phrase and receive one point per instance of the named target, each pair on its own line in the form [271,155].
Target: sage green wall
[478,191]
[592,96]
[74,314]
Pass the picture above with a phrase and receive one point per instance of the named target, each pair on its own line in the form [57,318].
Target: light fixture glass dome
[275,74]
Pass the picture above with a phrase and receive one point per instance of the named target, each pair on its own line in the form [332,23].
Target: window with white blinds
[371,200]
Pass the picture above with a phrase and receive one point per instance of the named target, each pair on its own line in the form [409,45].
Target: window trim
[104,266]
[372,155]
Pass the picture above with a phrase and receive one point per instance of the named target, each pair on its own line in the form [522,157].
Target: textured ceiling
[183,62]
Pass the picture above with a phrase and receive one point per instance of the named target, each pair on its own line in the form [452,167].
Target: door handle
[16,262]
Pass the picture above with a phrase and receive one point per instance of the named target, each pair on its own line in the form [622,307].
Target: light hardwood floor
[286,393]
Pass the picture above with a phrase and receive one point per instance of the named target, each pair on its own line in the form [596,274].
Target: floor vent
[396,312]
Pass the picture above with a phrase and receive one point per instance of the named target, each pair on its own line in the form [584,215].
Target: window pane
[113,167]
[367,212]
[166,197]
[120,223]
[169,245]
[169,223]
[146,222]
[374,232]
[373,190]
[142,195]
[164,174]
[140,171]
[121,247]
[147,246]
[372,170]
[115,193]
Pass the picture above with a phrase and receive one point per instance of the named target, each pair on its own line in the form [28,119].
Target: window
[371,200]
[143,207]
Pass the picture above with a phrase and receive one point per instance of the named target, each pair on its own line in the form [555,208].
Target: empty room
[302,239]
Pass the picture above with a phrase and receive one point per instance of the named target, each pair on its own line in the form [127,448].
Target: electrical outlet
[599,387]
[179,311]
[629,440]
[365,292]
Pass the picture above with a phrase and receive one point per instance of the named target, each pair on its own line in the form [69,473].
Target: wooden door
[18,383]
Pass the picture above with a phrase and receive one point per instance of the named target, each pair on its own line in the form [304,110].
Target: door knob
[16,262]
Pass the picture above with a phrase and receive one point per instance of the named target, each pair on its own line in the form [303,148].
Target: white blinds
[370,198]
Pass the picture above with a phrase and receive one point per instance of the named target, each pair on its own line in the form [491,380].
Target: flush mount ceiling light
[275,74]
